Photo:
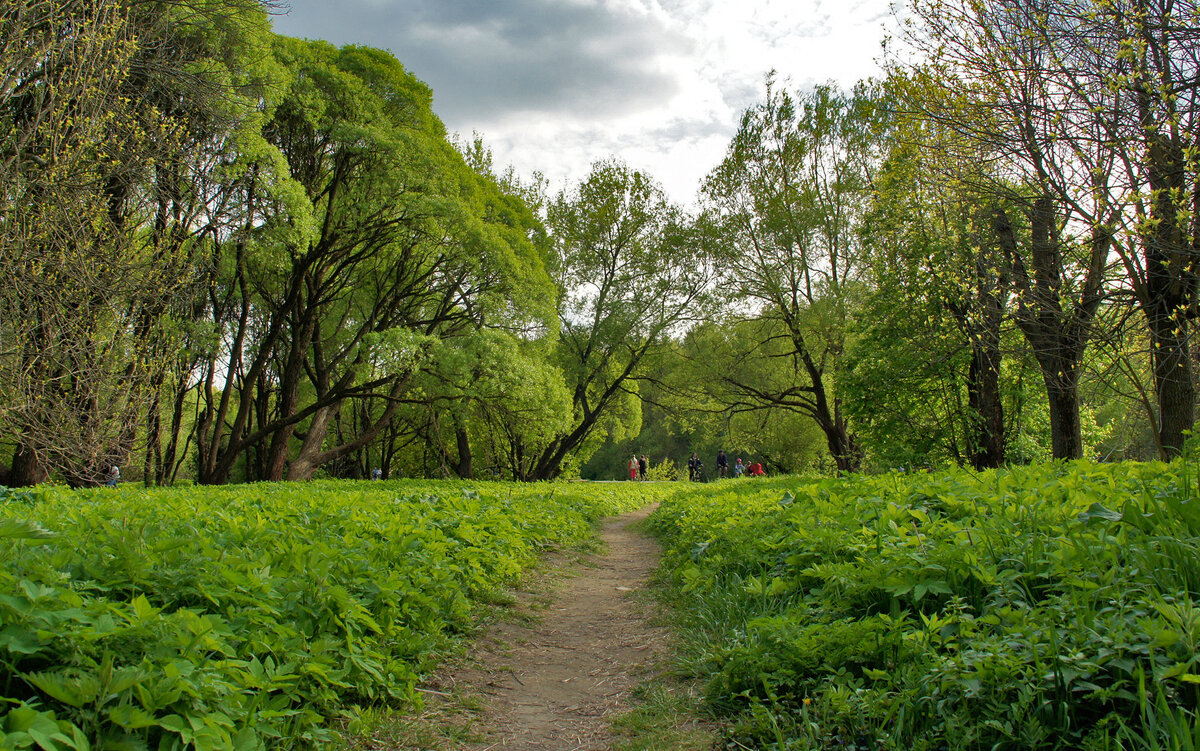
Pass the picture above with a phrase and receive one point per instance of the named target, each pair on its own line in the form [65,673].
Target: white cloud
[554,85]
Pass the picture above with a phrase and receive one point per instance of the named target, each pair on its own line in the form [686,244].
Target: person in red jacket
[755,470]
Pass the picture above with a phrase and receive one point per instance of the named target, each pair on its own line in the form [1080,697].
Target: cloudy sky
[553,85]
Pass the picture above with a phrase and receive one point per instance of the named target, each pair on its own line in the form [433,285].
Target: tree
[93,117]
[936,265]
[629,272]
[341,296]
[1090,107]
[787,197]
[491,396]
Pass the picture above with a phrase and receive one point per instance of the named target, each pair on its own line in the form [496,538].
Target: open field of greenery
[253,616]
[1050,607]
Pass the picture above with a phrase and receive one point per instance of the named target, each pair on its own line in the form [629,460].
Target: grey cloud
[741,91]
[486,59]
[682,130]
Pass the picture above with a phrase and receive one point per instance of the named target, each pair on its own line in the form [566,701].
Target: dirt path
[556,682]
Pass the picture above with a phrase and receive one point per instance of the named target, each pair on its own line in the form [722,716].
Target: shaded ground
[557,680]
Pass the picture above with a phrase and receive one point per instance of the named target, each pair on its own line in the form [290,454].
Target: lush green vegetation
[251,617]
[1050,607]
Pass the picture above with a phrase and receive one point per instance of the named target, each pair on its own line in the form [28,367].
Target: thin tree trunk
[463,469]
[986,405]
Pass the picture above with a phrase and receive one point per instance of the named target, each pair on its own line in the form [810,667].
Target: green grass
[666,717]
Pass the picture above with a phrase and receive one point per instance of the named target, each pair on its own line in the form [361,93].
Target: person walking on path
[722,464]
[643,466]
[633,467]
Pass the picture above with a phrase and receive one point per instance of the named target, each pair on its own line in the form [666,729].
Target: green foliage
[629,271]
[1047,607]
[786,202]
[250,617]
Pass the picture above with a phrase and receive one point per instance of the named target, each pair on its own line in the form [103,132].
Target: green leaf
[132,718]
[1098,511]
[1165,638]
[21,719]
[22,530]
[76,691]
[20,640]
[143,609]
[246,740]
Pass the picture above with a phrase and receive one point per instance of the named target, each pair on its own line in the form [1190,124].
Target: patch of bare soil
[557,680]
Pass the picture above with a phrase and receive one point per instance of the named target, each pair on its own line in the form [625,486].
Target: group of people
[739,469]
[723,470]
[638,467]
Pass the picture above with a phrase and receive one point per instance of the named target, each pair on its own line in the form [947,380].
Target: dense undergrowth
[254,616]
[1050,607]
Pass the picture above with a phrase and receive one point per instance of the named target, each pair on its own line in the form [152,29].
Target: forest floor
[577,662]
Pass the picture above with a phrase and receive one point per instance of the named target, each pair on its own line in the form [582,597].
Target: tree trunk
[1173,383]
[1171,263]
[548,466]
[312,457]
[169,467]
[986,407]
[152,459]
[1066,433]
[463,469]
[1057,333]
[26,469]
[843,447]
[304,465]
[846,453]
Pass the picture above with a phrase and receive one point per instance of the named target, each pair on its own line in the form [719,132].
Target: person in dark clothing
[722,464]
[694,465]
[643,465]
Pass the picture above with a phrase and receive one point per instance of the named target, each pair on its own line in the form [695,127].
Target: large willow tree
[630,271]
[341,296]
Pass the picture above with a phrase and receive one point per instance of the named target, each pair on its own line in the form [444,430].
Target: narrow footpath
[556,681]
